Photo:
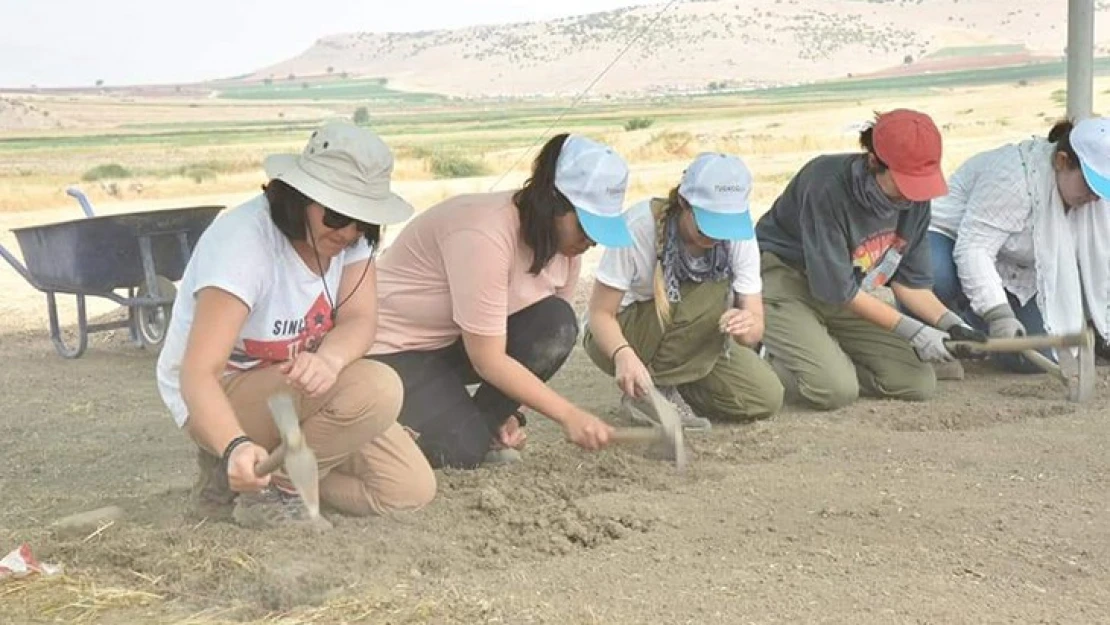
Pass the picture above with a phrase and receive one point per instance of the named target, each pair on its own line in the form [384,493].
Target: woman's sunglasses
[335,221]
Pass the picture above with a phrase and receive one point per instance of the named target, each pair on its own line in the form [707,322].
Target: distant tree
[99,82]
[330,69]
[361,116]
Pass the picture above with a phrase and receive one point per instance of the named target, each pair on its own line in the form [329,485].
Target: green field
[493,125]
[433,116]
[976,51]
[1055,70]
[504,122]
[328,89]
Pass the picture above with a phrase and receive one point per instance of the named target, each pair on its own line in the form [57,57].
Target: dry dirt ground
[986,505]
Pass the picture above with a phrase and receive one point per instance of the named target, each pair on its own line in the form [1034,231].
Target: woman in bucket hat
[478,290]
[279,296]
[681,309]
[1022,234]
[844,226]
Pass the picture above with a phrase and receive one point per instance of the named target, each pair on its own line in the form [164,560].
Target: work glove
[1002,322]
[958,330]
[927,342]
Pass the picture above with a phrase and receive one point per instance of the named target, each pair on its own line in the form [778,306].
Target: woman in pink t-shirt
[278,297]
[477,290]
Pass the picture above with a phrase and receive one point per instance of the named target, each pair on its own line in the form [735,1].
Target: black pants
[455,428]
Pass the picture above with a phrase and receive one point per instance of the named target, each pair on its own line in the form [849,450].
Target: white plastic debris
[21,563]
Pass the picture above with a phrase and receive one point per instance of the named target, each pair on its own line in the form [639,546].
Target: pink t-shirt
[461,265]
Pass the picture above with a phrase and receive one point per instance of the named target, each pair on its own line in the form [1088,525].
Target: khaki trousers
[368,463]
[827,355]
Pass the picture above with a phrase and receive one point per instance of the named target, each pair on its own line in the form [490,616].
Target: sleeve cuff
[239,292]
[612,282]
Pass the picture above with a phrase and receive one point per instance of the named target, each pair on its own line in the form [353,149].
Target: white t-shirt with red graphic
[244,253]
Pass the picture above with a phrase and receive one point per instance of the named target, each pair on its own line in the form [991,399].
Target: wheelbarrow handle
[18,266]
[82,199]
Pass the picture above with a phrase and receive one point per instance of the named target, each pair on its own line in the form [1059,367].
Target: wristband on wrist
[613,356]
[235,442]
[520,419]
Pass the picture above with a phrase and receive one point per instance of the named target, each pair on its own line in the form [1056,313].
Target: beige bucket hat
[345,168]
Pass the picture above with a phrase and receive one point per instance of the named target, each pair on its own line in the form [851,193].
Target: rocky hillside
[694,44]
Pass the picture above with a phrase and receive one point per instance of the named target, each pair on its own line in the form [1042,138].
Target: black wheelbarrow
[143,253]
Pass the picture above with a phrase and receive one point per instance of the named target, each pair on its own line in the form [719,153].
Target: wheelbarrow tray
[96,255]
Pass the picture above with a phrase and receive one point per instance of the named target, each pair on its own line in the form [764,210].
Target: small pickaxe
[666,438]
[1076,372]
[293,454]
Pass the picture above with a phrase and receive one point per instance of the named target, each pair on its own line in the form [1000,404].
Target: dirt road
[987,505]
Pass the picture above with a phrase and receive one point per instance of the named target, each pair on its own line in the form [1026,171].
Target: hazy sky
[76,42]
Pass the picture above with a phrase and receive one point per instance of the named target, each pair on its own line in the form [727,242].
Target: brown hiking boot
[212,497]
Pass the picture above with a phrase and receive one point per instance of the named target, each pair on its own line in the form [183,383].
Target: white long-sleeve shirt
[988,212]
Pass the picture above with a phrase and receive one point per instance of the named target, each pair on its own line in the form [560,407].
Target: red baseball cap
[910,145]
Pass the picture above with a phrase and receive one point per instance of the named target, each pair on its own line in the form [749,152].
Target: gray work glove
[927,341]
[948,320]
[1002,322]
[958,330]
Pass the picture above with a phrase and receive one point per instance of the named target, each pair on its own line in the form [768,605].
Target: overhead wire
[582,94]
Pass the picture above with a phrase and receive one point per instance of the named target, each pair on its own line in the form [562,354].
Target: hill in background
[694,45]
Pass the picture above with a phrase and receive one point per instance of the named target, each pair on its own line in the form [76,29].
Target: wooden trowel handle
[1020,343]
[636,435]
[272,462]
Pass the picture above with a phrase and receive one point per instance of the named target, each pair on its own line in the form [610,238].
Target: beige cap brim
[386,210]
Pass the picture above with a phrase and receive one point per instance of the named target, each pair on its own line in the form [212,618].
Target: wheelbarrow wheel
[152,322]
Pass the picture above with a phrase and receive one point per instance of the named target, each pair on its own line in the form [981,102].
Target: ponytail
[1060,131]
[662,303]
[1060,134]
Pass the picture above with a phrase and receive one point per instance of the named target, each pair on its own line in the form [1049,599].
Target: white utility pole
[1081,58]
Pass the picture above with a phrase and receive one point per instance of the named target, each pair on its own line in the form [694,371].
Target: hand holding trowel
[293,453]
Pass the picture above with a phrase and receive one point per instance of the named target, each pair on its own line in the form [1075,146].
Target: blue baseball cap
[595,178]
[718,187]
[1090,139]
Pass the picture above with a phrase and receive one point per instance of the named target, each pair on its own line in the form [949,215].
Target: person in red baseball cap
[910,146]
[847,226]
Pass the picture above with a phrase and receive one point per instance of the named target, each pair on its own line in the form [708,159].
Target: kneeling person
[279,297]
[681,309]
[846,225]
[476,291]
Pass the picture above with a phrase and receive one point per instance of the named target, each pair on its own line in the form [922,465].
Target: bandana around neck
[866,190]
[679,266]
